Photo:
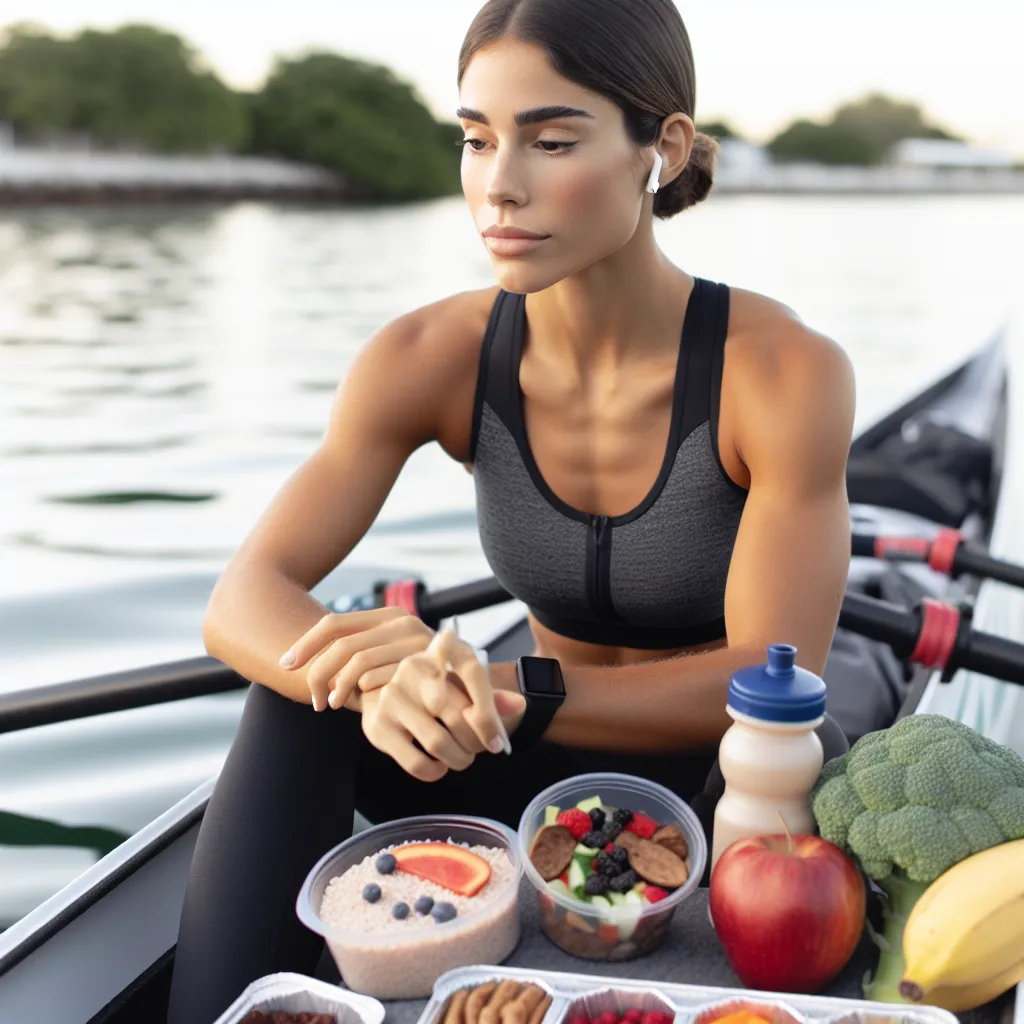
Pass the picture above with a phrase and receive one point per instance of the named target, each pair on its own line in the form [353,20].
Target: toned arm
[412,383]
[794,420]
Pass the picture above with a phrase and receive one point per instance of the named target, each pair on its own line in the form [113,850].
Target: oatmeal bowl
[402,903]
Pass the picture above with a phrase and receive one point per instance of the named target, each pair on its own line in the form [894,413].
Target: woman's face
[549,158]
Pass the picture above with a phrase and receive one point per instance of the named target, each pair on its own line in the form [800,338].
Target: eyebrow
[524,117]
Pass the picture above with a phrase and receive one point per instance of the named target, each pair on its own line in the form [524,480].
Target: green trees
[139,86]
[357,119]
[858,133]
[134,86]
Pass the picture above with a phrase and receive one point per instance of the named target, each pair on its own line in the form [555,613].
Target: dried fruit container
[594,932]
[403,962]
[299,994]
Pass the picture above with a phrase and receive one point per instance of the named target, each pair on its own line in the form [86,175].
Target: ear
[674,143]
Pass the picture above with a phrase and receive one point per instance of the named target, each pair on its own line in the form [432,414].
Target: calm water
[163,371]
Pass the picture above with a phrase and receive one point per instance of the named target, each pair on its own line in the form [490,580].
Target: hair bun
[693,183]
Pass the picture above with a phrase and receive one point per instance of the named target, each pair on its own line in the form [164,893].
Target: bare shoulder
[789,388]
[770,348]
[422,366]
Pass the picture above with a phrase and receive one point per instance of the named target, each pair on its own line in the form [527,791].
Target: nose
[505,184]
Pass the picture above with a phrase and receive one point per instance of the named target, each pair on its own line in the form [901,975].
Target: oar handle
[935,634]
[947,552]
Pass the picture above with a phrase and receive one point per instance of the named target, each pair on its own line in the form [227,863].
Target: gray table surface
[691,954]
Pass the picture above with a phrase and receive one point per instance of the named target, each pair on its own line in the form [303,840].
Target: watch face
[543,676]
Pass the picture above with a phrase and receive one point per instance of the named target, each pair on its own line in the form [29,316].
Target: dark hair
[634,52]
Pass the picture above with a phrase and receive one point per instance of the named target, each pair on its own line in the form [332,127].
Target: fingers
[454,720]
[434,738]
[483,717]
[359,663]
[331,627]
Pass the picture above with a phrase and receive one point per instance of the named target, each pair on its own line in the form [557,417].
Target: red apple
[789,911]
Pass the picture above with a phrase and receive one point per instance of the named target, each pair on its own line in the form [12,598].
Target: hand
[452,715]
[355,651]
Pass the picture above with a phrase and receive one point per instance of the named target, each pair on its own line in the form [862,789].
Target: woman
[558,389]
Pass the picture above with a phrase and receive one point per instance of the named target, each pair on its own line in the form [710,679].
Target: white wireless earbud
[654,180]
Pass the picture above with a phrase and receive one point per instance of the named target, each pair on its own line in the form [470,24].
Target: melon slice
[452,867]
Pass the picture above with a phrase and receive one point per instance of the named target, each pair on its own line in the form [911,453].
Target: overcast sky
[759,62]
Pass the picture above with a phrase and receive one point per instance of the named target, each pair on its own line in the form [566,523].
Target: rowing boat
[101,949]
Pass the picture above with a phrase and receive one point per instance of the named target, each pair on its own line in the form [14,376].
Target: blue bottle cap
[780,691]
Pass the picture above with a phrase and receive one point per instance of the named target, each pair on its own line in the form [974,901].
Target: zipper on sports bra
[599,553]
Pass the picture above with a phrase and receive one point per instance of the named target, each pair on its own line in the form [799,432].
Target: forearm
[677,704]
[255,614]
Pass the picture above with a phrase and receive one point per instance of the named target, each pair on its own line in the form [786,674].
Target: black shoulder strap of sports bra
[698,374]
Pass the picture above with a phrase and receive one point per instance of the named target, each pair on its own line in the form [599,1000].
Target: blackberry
[423,905]
[593,840]
[597,818]
[622,816]
[596,885]
[623,882]
[621,856]
[612,831]
[605,864]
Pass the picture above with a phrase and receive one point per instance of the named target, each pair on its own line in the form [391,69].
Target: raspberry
[609,848]
[576,821]
[608,1017]
[656,1017]
[634,1015]
[653,894]
[642,826]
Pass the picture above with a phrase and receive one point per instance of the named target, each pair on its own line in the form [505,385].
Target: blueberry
[400,910]
[423,905]
[443,912]
[623,882]
[386,863]
[371,893]
[597,818]
[596,885]
[592,840]
[620,855]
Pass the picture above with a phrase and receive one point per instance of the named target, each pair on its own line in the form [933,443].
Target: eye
[550,146]
[474,144]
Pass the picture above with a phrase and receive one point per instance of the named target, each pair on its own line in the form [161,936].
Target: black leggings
[286,795]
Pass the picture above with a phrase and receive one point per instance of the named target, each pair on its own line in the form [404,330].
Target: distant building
[945,153]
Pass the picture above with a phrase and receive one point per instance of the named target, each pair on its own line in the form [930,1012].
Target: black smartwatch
[541,683]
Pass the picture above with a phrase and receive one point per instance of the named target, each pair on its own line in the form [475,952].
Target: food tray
[686,1001]
[299,994]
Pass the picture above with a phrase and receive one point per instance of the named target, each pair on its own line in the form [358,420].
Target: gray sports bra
[650,578]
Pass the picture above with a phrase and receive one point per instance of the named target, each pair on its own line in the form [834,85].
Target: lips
[499,231]
[511,242]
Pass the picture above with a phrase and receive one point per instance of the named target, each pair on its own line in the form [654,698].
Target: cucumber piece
[550,814]
[577,879]
[626,919]
[556,885]
[585,852]
[633,899]
[618,899]
[589,804]
[601,902]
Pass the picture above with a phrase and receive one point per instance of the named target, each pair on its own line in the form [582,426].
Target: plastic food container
[619,932]
[404,961]
[299,994]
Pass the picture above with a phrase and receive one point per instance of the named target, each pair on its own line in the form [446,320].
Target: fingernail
[333,701]
[496,746]
[287,659]
[316,706]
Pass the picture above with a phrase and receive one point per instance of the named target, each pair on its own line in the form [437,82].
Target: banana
[968,927]
[969,997]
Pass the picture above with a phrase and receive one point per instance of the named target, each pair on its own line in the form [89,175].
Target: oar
[934,634]
[947,553]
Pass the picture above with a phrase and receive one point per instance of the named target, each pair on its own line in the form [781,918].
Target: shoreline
[38,177]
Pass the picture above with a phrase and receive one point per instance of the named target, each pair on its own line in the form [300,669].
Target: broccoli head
[911,801]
